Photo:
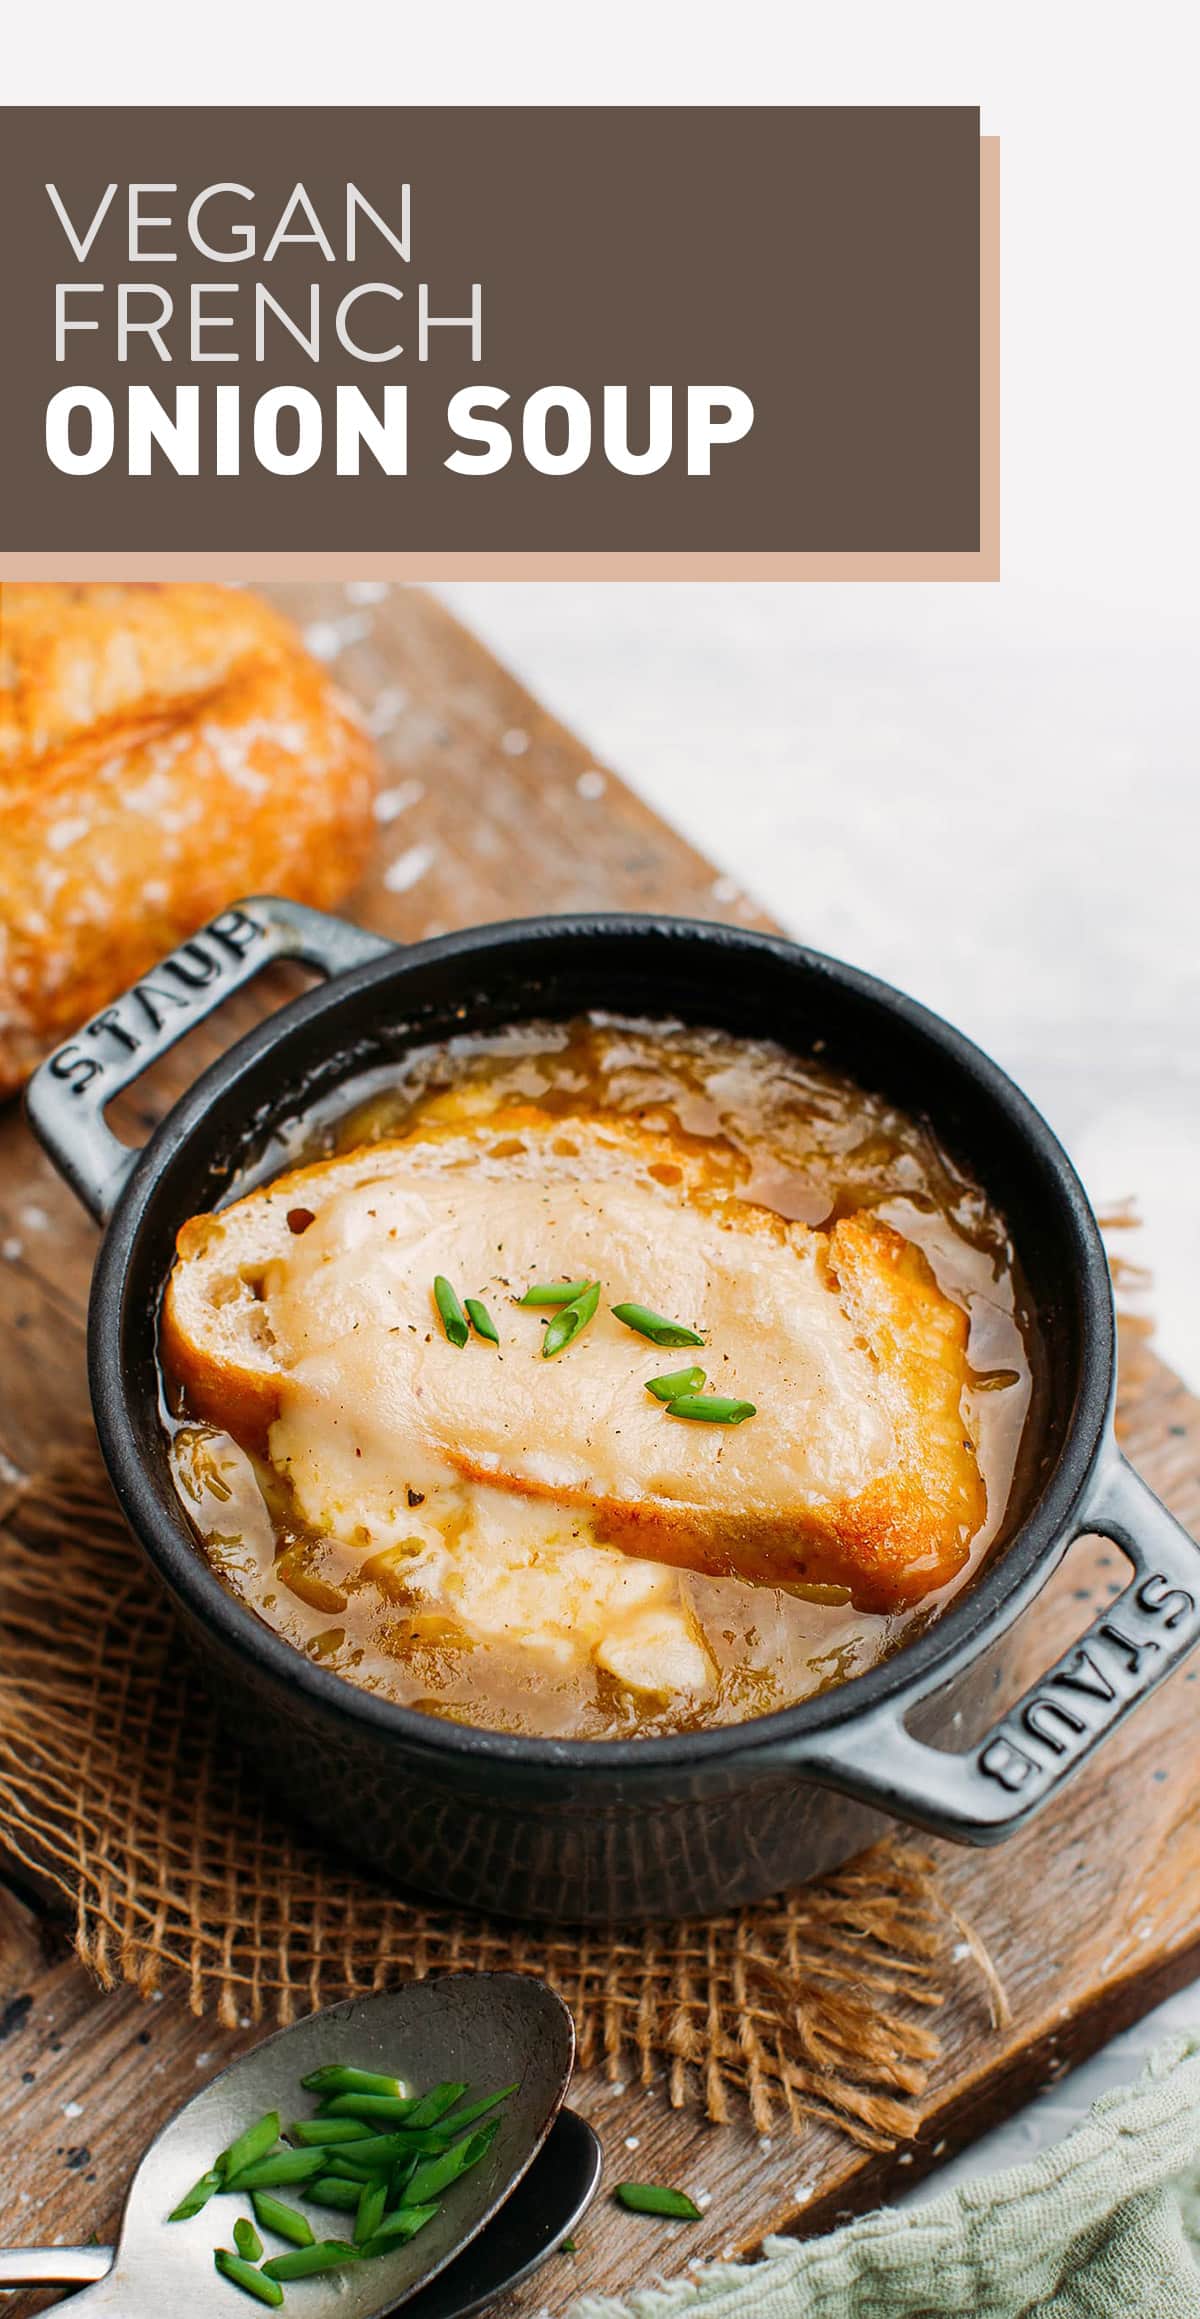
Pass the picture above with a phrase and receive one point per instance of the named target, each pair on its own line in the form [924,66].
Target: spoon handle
[53,2266]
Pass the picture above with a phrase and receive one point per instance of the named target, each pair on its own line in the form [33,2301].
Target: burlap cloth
[115,1785]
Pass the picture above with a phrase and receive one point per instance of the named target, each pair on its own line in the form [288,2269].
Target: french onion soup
[599,1379]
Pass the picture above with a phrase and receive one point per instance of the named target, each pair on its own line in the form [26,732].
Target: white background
[989,794]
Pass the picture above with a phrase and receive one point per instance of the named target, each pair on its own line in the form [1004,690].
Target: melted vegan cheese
[856,1468]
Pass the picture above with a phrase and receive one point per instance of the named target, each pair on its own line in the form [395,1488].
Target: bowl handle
[980,1796]
[69,1093]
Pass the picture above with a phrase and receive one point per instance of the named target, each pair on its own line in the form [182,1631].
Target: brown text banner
[508,334]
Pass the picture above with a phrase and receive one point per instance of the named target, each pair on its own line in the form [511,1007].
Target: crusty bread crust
[212,1337]
[163,750]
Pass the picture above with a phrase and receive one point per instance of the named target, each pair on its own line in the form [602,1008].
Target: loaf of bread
[163,749]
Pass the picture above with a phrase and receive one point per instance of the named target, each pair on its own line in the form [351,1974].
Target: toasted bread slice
[304,1316]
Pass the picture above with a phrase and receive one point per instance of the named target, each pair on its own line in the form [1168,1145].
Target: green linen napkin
[1102,2226]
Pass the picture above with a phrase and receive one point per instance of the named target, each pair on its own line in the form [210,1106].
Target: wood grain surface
[1089,1917]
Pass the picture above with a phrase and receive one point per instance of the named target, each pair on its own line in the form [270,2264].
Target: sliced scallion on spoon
[246,2240]
[242,2274]
[335,2078]
[286,2221]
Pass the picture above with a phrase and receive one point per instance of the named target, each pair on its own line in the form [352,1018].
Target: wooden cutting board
[1089,1917]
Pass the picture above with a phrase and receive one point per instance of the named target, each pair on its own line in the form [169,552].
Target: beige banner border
[980,564]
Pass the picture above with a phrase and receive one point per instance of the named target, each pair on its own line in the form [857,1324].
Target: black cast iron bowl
[621,1830]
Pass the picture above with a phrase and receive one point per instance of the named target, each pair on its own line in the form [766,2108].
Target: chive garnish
[322,2132]
[339,2167]
[454,1319]
[254,2143]
[331,2190]
[710,1408]
[372,2206]
[553,1292]
[437,2101]
[479,2109]
[364,2107]
[197,2197]
[657,2198]
[645,1323]
[481,1320]
[396,2228]
[568,1323]
[246,2240]
[679,1381]
[389,2181]
[335,2079]
[285,2221]
[325,2254]
[244,2275]
[436,2174]
[369,2156]
[279,2167]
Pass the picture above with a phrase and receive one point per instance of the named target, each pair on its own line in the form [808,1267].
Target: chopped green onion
[254,2143]
[645,1323]
[567,2246]
[283,2166]
[325,2254]
[431,2137]
[481,1319]
[393,2107]
[566,1325]
[399,2179]
[436,2174]
[396,2228]
[657,2198]
[553,1292]
[437,2101]
[245,2276]
[367,2155]
[372,2206]
[331,2190]
[320,2133]
[372,2156]
[710,1408]
[454,1319]
[197,2196]
[334,2079]
[679,1381]
[286,2221]
[246,2240]
[460,2118]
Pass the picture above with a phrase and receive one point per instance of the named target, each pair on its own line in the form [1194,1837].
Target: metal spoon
[491,2029]
[534,2220]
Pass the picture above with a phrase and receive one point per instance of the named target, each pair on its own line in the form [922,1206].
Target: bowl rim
[925,1662]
